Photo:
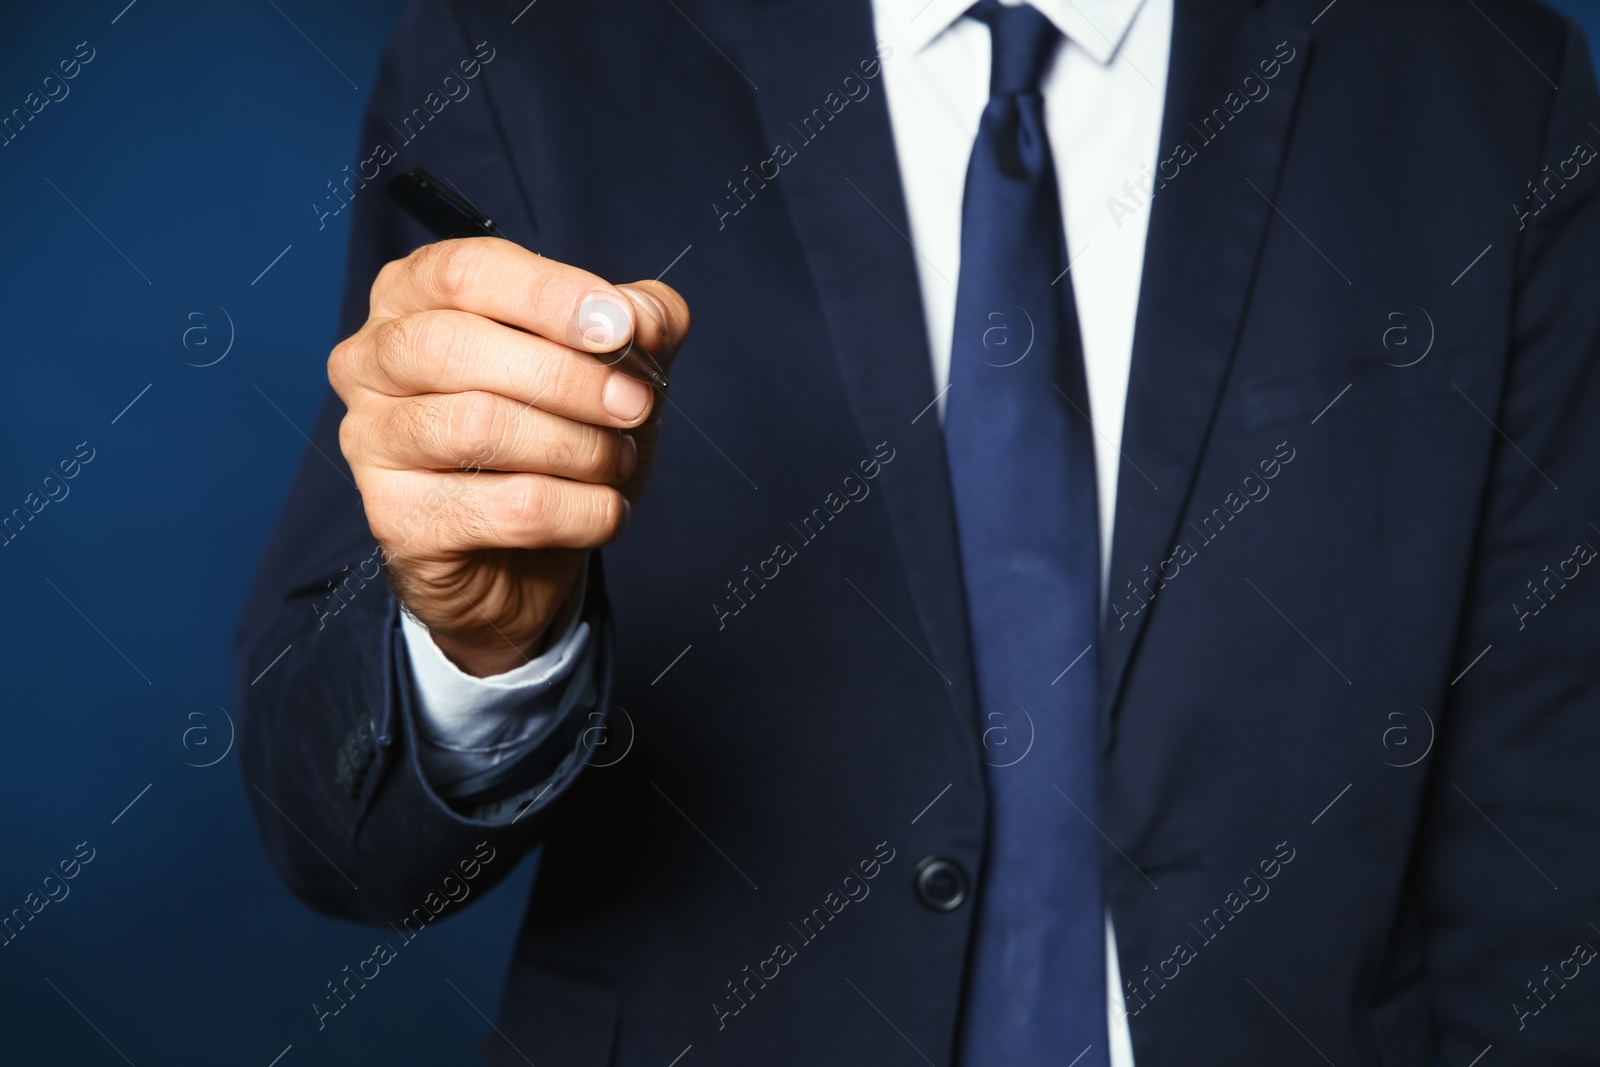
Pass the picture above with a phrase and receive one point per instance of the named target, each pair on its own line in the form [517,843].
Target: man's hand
[492,450]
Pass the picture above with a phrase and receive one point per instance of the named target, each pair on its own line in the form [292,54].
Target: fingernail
[625,398]
[627,514]
[602,322]
[630,457]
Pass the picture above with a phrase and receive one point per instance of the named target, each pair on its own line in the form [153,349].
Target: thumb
[661,319]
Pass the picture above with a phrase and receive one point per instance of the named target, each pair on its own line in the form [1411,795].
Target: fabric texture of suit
[1348,721]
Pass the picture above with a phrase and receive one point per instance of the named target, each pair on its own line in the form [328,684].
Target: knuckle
[450,269]
[391,341]
[537,296]
[443,343]
[592,452]
[383,512]
[341,365]
[461,522]
[434,518]
[420,349]
[427,336]
[561,381]
[352,436]
[559,455]
[474,427]
[531,505]
[387,279]
[381,521]
[608,515]
[425,426]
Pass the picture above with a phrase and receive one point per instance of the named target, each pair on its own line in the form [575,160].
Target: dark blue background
[196,140]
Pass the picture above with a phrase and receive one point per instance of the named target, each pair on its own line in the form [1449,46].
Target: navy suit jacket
[1348,665]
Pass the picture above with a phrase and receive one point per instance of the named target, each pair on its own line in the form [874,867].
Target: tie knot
[1021,42]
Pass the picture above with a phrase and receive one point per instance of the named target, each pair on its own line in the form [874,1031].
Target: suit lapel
[1207,229]
[842,190]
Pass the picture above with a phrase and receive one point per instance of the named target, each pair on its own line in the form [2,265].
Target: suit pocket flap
[1346,384]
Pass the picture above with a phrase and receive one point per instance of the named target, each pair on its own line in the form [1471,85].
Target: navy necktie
[1022,475]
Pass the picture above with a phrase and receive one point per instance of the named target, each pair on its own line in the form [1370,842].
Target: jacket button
[941,883]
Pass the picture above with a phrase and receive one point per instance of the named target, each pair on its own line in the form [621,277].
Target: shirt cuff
[466,724]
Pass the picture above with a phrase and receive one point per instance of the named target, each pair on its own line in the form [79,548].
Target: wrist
[484,657]
[485,653]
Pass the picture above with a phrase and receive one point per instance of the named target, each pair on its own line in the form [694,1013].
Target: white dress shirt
[1104,98]
[469,724]
[1103,101]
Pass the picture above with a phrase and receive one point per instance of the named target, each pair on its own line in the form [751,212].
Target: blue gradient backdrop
[183,160]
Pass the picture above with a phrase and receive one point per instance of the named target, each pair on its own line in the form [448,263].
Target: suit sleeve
[328,733]
[1510,871]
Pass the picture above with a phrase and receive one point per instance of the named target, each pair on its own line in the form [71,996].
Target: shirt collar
[1096,26]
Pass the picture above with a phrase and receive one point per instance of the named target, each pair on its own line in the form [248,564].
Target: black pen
[446,214]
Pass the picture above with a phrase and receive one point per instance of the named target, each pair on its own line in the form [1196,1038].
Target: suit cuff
[467,725]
